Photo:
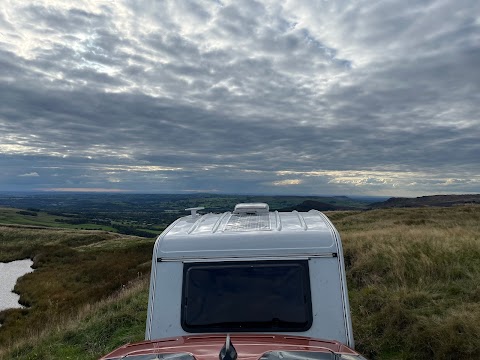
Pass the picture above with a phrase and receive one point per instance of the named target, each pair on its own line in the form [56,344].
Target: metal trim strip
[239,258]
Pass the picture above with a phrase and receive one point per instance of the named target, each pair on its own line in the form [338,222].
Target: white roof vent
[251,208]
[193,211]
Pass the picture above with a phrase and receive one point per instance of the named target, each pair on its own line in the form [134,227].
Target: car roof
[248,346]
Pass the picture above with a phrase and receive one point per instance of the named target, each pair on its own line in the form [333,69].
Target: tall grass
[92,331]
[72,269]
[414,281]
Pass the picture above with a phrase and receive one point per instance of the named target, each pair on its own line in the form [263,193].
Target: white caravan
[250,270]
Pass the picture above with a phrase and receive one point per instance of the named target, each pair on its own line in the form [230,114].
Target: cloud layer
[302,97]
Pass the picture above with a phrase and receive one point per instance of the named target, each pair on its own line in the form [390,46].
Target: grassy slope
[414,277]
[14,216]
[11,216]
[413,274]
[94,331]
[73,269]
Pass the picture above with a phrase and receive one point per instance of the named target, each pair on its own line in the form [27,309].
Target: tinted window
[243,296]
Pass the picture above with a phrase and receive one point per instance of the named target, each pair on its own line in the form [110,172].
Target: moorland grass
[93,331]
[414,288]
[414,281]
[72,269]
[43,219]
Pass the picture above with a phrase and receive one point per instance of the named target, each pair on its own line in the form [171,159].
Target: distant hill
[316,205]
[434,200]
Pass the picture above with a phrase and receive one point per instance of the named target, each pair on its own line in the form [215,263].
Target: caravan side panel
[327,302]
[164,313]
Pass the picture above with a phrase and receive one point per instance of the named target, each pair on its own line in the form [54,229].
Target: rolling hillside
[413,276]
[435,200]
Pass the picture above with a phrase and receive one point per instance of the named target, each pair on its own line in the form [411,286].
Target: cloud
[32,174]
[174,95]
[98,190]
[287,182]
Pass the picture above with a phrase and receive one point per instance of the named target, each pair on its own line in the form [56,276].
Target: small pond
[9,273]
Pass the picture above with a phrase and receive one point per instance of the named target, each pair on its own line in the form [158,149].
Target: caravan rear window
[246,296]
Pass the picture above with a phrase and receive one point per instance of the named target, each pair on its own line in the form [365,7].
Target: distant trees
[28,213]
[58,213]
[128,230]
[123,229]
[84,220]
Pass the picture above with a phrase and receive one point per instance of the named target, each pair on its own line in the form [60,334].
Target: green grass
[94,331]
[72,269]
[413,277]
[414,281]
[11,216]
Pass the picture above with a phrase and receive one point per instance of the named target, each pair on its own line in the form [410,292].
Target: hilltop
[317,205]
[434,200]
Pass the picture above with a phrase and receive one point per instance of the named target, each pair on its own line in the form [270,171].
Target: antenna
[193,211]
[228,352]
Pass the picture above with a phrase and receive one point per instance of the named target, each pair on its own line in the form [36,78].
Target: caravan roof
[251,230]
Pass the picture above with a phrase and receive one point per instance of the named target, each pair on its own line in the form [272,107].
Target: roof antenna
[194,211]
[228,352]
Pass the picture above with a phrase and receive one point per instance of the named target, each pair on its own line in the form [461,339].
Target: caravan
[250,270]
[265,285]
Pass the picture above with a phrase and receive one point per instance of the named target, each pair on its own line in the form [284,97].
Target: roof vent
[193,211]
[251,208]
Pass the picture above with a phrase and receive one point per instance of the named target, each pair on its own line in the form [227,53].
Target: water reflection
[9,273]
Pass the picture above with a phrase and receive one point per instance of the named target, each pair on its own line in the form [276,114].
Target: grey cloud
[173,45]
[51,19]
[5,24]
[70,119]
[239,20]
[11,65]
[193,9]
[255,91]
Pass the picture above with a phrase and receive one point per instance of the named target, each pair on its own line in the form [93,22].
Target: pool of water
[9,273]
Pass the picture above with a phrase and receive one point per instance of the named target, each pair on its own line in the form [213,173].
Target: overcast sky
[276,97]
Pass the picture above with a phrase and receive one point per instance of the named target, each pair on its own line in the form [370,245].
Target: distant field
[42,218]
[13,216]
[413,277]
[150,205]
[145,215]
